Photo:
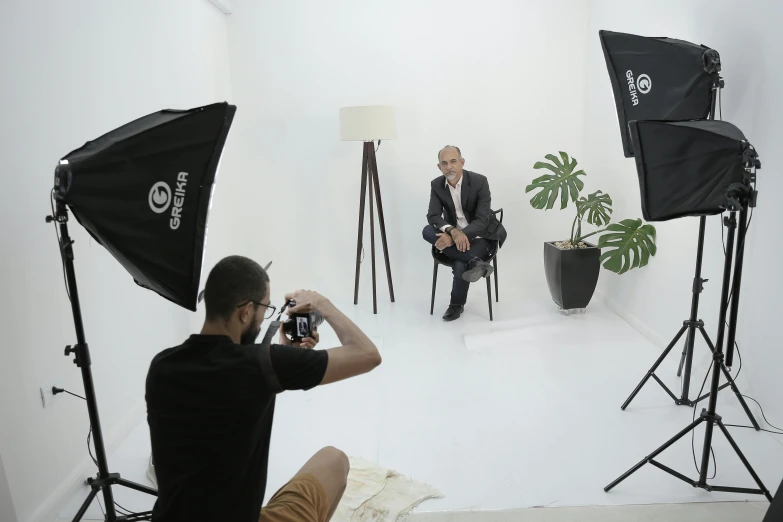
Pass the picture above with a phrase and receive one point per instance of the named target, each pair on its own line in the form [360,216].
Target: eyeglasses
[270,309]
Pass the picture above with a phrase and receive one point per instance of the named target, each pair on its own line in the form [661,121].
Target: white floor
[701,512]
[518,413]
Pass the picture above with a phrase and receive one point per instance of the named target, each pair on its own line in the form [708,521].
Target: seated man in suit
[461,224]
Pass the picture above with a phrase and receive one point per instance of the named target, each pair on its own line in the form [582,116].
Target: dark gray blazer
[476,203]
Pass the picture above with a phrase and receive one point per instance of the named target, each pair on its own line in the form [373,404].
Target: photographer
[210,404]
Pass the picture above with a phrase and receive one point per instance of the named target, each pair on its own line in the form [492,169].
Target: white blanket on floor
[377,494]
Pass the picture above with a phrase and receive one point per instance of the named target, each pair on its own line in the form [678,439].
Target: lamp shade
[368,123]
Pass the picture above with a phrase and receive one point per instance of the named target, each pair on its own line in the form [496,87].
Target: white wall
[502,80]
[70,72]
[7,511]
[658,298]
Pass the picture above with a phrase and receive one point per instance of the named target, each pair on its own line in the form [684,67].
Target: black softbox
[658,79]
[686,168]
[143,191]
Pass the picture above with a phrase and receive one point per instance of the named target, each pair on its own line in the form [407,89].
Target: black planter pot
[572,275]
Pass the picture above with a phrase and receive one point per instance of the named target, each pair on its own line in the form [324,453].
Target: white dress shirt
[456,196]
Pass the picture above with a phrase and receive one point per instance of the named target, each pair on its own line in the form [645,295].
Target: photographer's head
[237,299]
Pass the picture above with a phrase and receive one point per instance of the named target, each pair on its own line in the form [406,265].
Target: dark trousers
[479,248]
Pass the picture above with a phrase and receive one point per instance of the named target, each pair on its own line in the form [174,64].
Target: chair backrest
[497,243]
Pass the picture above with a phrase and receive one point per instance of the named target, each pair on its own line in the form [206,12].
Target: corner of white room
[657,299]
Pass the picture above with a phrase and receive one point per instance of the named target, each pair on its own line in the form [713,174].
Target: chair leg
[489,297]
[497,294]
[434,280]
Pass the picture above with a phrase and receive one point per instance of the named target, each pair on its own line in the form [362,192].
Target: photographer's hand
[306,301]
[307,342]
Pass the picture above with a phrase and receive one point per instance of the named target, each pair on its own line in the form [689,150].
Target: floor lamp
[367,124]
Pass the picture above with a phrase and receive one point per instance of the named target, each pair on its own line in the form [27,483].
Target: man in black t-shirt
[210,405]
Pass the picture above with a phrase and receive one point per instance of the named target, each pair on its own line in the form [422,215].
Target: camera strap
[265,358]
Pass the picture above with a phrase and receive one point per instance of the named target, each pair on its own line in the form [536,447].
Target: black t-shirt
[210,405]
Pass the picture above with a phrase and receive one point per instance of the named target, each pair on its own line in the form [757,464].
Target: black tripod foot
[651,456]
[104,485]
[651,371]
[711,419]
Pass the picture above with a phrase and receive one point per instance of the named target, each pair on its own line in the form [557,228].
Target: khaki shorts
[303,499]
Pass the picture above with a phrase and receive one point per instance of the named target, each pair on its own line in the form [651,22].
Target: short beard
[451,177]
[250,335]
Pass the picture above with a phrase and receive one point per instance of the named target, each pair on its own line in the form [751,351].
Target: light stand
[691,325]
[741,196]
[143,192]
[81,352]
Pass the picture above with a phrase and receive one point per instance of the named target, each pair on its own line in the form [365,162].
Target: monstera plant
[572,265]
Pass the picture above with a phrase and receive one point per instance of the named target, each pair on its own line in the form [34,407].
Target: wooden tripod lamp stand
[368,124]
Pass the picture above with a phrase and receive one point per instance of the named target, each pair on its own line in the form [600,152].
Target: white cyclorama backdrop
[503,81]
[71,72]
[657,299]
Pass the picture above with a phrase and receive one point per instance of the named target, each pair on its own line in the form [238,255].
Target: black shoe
[477,269]
[453,312]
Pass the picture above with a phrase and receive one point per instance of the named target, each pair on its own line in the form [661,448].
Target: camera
[301,325]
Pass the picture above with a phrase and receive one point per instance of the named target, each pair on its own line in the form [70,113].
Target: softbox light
[686,168]
[658,79]
[143,191]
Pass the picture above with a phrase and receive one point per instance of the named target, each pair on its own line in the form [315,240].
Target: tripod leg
[137,487]
[729,383]
[654,367]
[374,167]
[740,397]
[682,357]
[86,504]
[655,453]
[361,224]
[372,249]
[744,460]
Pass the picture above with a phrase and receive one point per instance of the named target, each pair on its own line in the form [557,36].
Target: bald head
[450,147]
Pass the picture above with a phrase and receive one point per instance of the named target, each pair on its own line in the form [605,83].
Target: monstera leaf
[563,182]
[624,238]
[597,207]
